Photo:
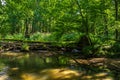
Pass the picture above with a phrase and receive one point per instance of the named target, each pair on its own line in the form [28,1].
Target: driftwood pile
[19,45]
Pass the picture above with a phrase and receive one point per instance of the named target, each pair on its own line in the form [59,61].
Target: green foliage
[0,36]
[108,48]
[116,47]
[94,51]
[41,37]
[70,37]
[54,36]
[25,47]
[8,37]
[36,36]
[18,36]
[60,20]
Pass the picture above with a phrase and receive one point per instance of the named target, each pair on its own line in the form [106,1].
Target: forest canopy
[63,20]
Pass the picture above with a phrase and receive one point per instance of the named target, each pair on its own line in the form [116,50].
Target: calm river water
[48,66]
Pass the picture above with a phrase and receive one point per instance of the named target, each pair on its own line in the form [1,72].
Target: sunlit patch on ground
[97,76]
[15,69]
[52,74]
[88,77]
[64,74]
[11,54]
[101,74]
[4,77]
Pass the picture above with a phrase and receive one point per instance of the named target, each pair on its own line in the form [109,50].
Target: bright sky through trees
[3,2]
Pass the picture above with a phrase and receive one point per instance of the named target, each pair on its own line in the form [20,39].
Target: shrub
[70,37]
[40,37]
[25,47]
[18,36]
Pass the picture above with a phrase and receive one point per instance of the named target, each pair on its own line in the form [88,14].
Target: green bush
[18,36]
[40,37]
[9,36]
[70,37]
[25,47]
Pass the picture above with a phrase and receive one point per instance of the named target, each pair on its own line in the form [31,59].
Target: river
[49,66]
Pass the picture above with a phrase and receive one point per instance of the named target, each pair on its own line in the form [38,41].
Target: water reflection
[46,66]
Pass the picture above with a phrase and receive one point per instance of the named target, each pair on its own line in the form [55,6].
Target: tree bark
[106,27]
[116,18]
[27,27]
[84,19]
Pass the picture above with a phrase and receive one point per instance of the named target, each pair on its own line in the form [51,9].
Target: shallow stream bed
[52,66]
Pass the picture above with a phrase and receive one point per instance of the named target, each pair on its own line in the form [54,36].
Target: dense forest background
[63,20]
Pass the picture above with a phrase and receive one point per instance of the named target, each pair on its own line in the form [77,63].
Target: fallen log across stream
[12,44]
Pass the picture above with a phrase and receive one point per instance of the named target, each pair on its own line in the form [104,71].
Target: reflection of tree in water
[55,67]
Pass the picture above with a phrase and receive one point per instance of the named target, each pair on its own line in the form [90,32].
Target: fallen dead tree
[11,44]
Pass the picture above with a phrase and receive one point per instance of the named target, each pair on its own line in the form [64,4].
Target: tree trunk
[27,27]
[84,19]
[105,26]
[116,18]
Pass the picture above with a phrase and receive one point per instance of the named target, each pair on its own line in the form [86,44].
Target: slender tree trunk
[116,9]
[27,28]
[116,18]
[105,26]
[84,19]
